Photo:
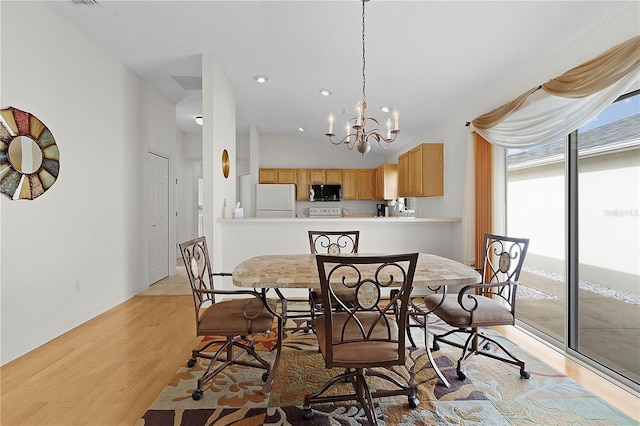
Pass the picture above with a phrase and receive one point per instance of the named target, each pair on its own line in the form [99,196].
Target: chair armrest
[464,291]
[253,293]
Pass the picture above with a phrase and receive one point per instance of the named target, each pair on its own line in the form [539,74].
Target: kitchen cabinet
[333,176]
[386,182]
[357,184]
[365,184]
[403,174]
[268,176]
[287,175]
[316,176]
[421,171]
[349,184]
[302,184]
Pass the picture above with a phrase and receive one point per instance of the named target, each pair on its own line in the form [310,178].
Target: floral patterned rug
[492,394]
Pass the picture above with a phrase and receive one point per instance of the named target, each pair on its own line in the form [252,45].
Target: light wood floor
[109,370]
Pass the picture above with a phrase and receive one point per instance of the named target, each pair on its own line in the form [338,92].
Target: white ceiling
[428,59]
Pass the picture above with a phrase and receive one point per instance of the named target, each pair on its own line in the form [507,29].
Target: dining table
[282,271]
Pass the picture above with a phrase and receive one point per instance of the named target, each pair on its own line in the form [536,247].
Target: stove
[325,211]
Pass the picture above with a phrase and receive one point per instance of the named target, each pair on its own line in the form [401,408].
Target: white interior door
[158,217]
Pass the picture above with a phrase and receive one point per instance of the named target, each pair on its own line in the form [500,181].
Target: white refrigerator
[275,200]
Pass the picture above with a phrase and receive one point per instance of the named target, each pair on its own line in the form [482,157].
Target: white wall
[189,165]
[80,248]
[300,152]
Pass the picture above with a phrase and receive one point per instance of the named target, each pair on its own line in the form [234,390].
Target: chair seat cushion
[226,318]
[489,311]
[360,353]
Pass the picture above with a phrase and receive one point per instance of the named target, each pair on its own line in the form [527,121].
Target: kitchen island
[248,237]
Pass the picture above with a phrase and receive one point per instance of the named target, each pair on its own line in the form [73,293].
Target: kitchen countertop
[352,219]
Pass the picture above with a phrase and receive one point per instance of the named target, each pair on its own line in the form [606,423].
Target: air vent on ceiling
[86,2]
[188,83]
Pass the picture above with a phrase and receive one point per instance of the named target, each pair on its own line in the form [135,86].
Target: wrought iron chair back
[365,332]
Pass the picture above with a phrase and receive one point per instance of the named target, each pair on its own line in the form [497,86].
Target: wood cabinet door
[287,175]
[389,182]
[349,184]
[302,184]
[365,184]
[415,172]
[268,176]
[378,182]
[333,176]
[432,170]
[403,175]
[316,176]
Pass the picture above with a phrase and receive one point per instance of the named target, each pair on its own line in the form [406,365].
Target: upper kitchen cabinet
[421,171]
[349,184]
[287,175]
[365,184]
[316,176]
[357,184]
[302,184]
[333,176]
[277,176]
[268,176]
[386,182]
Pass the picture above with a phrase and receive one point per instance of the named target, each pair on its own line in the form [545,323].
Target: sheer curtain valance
[546,113]
[564,103]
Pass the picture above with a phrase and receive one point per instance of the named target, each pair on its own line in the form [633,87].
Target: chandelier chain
[364,96]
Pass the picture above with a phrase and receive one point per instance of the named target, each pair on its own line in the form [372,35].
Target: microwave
[321,192]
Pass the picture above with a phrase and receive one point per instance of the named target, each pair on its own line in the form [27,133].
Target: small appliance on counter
[382,210]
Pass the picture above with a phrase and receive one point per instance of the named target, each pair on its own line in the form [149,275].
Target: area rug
[492,394]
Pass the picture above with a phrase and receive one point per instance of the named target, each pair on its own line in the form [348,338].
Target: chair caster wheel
[307,414]
[191,362]
[413,402]
[461,375]
[524,374]
[196,395]
[435,347]
[265,376]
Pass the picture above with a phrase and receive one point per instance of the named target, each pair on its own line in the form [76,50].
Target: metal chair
[363,336]
[483,305]
[332,243]
[234,319]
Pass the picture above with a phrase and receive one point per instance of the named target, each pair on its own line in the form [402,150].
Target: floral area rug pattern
[492,394]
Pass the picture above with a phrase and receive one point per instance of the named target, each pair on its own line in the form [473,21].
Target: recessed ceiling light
[325,92]
[301,129]
[385,108]
[260,78]
[199,119]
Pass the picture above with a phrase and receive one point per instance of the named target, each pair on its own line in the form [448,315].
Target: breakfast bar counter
[249,237]
[343,220]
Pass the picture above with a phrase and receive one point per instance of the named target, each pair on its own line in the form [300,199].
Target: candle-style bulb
[331,118]
[395,119]
[388,128]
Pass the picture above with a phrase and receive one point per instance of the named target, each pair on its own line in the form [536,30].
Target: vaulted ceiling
[428,59]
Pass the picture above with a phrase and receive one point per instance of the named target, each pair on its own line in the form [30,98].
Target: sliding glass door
[535,210]
[608,294]
[577,200]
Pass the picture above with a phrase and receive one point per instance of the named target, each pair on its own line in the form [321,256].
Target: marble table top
[300,271]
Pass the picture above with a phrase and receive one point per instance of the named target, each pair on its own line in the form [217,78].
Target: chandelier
[356,132]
